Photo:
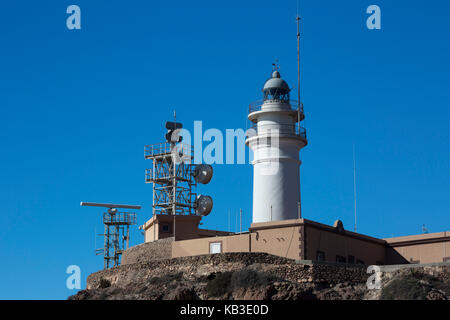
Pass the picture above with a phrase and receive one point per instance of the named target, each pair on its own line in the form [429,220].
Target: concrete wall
[186,227]
[193,247]
[300,239]
[424,248]
[297,239]
[280,238]
[332,243]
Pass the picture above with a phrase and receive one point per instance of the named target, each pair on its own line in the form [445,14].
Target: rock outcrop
[252,276]
[148,251]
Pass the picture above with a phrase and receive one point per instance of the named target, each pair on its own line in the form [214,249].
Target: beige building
[422,248]
[184,227]
[298,239]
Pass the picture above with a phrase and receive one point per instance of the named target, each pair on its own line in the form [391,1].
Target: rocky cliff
[258,276]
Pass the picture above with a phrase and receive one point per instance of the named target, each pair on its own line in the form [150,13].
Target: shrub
[247,278]
[219,285]
[104,283]
[166,279]
[226,282]
[405,288]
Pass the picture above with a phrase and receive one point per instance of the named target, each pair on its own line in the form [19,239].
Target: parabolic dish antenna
[203,173]
[203,205]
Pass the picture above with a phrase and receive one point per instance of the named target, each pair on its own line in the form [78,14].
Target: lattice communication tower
[174,177]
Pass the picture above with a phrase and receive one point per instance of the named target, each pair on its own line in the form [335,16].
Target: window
[215,247]
[340,259]
[446,259]
[165,227]
[320,256]
[351,259]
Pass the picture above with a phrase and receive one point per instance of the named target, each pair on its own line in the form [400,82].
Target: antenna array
[174,177]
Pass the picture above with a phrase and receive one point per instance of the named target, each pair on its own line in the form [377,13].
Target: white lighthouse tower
[276,143]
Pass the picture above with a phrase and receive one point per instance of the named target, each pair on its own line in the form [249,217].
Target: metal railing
[281,129]
[183,173]
[165,148]
[256,105]
[123,218]
[148,175]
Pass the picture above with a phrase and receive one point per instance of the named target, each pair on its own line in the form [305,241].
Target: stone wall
[149,251]
[440,272]
[195,267]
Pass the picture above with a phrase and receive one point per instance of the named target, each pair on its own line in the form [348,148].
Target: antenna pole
[300,106]
[240,214]
[298,58]
[354,182]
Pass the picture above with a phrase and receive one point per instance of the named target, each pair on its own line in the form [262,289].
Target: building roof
[275,82]
[419,238]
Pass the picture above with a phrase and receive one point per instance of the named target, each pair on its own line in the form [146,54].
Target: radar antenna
[117,232]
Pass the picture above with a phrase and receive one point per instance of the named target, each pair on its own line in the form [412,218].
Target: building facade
[302,239]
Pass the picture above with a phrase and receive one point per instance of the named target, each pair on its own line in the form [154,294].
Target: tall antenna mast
[354,182]
[300,107]
[240,221]
[298,57]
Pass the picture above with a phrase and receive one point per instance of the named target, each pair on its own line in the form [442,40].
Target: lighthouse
[276,140]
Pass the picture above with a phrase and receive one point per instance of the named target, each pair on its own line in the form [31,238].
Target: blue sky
[77,108]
